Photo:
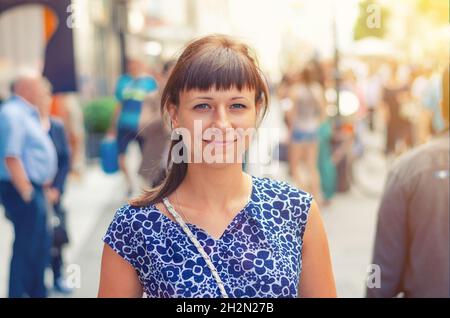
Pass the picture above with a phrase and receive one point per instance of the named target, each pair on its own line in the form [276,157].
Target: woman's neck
[214,187]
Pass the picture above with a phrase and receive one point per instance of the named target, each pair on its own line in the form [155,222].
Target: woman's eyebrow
[202,97]
[211,98]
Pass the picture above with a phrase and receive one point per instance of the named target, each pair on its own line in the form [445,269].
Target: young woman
[211,230]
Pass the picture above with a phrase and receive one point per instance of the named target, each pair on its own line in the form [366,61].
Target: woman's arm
[117,277]
[316,279]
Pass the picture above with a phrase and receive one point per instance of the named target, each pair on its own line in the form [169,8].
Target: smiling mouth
[216,142]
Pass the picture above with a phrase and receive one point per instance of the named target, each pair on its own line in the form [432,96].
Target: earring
[175,130]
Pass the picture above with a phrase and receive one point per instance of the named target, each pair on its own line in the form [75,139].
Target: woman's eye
[201,106]
[238,106]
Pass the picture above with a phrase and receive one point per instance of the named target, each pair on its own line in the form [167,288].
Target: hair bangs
[220,69]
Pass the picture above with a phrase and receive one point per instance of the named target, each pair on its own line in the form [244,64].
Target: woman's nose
[221,118]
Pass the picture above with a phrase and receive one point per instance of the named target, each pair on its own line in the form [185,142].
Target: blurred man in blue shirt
[27,163]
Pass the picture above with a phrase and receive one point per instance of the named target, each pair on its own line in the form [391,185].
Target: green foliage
[98,114]
[370,11]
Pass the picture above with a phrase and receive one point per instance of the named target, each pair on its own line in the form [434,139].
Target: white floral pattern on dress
[258,255]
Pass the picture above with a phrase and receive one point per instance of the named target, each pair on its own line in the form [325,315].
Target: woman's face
[216,125]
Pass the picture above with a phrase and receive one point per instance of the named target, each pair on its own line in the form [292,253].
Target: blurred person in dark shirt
[399,128]
[412,237]
[155,133]
[54,192]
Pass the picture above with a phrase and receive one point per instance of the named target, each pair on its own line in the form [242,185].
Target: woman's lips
[217,142]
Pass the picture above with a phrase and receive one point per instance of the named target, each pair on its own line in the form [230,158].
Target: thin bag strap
[196,243]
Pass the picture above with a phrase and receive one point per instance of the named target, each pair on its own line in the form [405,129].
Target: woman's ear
[258,106]
[173,114]
[259,110]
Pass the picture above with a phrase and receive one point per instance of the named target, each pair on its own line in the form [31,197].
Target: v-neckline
[230,225]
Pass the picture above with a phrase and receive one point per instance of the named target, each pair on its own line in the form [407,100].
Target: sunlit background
[347,38]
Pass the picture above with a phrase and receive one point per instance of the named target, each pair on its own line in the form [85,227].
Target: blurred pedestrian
[284,97]
[373,92]
[131,90]
[412,238]
[325,163]
[304,117]
[431,97]
[155,133]
[27,163]
[55,129]
[351,84]
[399,135]
[423,122]
[66,107]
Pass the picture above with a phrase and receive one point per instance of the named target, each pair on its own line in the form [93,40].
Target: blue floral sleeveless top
[258,255]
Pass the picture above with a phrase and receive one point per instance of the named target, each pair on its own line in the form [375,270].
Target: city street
[326,97]
[91,203]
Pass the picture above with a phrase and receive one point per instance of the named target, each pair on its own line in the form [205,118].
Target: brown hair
[306,75]
[214,61]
